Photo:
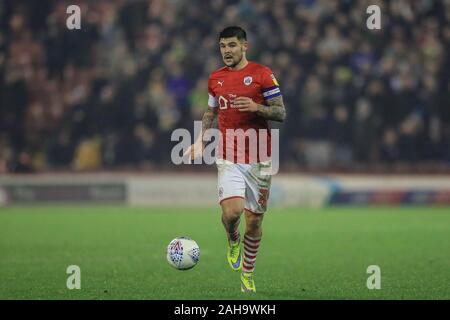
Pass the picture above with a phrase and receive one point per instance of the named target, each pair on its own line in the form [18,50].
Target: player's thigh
[230,183]
[258,184]
[232,208]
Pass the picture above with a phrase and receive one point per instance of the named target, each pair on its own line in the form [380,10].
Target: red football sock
[251,246]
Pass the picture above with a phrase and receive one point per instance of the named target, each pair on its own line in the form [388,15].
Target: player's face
[232,50]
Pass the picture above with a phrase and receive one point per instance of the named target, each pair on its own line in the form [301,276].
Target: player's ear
[244,45]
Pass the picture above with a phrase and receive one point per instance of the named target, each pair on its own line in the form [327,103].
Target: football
[183,253]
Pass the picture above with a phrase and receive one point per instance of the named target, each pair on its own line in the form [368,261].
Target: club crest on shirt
[248,80]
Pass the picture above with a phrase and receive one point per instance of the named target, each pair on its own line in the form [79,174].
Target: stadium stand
[108,96]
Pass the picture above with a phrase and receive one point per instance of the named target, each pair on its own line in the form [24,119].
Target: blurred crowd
[109,95]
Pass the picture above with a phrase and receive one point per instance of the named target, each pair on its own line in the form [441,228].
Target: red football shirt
[254,81]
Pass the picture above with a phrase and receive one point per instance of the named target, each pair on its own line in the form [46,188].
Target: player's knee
[254,222]
[232,212]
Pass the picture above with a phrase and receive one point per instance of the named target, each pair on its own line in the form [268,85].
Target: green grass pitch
[305,253]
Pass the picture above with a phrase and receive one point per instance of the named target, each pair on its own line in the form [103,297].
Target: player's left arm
[274,110]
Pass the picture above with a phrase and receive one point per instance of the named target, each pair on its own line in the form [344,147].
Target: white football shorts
[248,181]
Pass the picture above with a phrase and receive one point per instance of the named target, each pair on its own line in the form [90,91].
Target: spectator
[137,70]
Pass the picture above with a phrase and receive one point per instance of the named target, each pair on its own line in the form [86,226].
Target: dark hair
[233,31]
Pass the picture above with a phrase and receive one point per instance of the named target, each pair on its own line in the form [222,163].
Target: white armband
[212,101]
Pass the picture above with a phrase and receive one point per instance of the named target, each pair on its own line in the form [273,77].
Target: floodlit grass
[304,253]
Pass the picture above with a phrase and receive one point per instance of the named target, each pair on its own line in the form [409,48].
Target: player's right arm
[209,120]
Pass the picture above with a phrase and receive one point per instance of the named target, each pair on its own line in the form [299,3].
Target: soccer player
[242,95]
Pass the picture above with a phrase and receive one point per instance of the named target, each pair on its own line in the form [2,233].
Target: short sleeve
[269,85]
[212,100]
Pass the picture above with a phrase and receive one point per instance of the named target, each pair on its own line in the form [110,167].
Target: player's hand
[194,151]
[245,104]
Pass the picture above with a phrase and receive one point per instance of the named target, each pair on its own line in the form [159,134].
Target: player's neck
[241,65]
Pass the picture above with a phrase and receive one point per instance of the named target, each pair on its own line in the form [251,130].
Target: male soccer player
[242,95]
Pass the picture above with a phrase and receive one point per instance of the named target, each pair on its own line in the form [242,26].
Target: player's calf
[252,239]
[231,214]
[253,224]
